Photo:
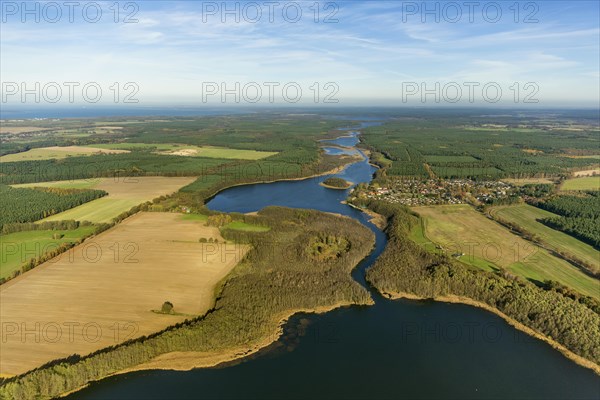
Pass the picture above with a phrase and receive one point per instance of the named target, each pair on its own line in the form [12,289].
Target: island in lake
[336,183]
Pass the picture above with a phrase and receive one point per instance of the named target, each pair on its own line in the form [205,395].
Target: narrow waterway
[394,349]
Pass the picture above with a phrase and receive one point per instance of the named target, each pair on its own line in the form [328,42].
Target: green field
[40,154]
[243,226]
[417,235]
[55,153]
[97,211]
[19,247]
[487,244]
[194,151]
[526,216]
[194,217]
[583,183]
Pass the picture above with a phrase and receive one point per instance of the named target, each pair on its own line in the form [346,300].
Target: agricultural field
[8,130]
[148,259]
[583,183]
[19,247]
[528,181]
[487,244]
[123,194]
[527,217]
[191,151]
[57,153]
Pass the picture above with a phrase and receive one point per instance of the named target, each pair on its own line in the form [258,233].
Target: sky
[539,54]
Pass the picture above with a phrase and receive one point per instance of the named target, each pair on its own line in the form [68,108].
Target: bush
[167,307]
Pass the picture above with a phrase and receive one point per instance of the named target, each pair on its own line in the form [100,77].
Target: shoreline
[453,299]
[333,171]
[376,219]
[190,360]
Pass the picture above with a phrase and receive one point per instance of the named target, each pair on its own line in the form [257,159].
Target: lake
[394,349]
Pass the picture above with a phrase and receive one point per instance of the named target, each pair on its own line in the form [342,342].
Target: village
[416,192]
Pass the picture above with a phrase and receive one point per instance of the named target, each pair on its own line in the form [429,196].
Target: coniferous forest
[31,204]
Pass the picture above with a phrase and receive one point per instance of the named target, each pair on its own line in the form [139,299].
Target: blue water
[392,350]
[336,151]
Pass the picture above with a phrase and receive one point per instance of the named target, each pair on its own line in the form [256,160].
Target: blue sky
[373,51]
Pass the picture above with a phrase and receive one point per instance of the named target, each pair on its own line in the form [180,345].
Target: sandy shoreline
[189,360]
[348,185]
[514,323]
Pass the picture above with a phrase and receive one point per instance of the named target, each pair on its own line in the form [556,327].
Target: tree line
[579,216]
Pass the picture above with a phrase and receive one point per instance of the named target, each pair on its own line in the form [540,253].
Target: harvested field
[123,194]
[8,130]
[104,291]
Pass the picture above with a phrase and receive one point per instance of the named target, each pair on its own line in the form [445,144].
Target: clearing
[123,194]
[104,291]
[584,183]
[56,152]
[193,151]
[527,181]
[587,172]
[485,244]
[526,216]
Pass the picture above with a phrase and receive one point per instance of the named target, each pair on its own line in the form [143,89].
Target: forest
[579,215]
[479,148]
[276,278]
[31,204]
[554,311]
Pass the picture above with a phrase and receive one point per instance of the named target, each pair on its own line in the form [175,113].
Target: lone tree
[167,307]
